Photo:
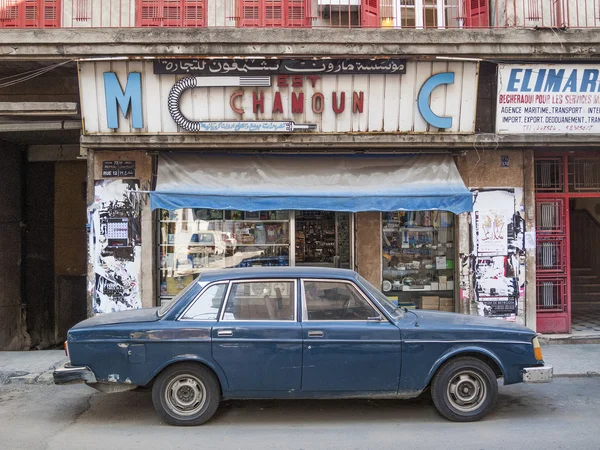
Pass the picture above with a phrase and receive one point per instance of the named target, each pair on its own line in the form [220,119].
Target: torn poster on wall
[498,231]
[115,245]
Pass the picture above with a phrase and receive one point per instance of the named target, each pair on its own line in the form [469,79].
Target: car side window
[260,300]
[335,301]
[207,305]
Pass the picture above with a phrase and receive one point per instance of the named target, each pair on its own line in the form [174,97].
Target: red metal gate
[559,177]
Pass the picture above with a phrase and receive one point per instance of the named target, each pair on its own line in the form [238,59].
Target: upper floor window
[274,13]
[29,13]
[171,13]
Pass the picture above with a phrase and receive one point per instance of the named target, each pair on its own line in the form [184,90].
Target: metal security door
[552,250]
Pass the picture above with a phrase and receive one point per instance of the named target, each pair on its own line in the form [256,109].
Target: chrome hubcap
[185,395]
[466,391]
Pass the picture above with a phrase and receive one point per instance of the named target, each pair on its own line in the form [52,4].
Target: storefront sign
[220,67]
[418,101]
[541,98]
[118,169]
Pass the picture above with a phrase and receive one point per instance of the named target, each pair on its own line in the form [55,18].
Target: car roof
[277,272]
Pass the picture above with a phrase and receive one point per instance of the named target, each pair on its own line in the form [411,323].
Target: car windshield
[167,307]
[385,302]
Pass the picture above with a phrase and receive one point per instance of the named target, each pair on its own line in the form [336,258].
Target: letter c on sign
[423,100]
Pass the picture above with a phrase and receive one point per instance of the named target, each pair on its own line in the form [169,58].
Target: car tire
[186,394]
[464,389]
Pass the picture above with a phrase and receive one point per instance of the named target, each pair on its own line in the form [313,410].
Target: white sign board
[128,97]
[548,98]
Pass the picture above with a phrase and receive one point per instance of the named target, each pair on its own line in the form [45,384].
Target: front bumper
[542,374]
[70,375]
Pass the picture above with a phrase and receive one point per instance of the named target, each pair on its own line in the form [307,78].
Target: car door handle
[315,333]
[225,333]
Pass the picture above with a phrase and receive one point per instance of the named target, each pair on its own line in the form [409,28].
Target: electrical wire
[29,75]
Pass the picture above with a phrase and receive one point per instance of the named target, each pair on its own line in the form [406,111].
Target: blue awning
[323,182]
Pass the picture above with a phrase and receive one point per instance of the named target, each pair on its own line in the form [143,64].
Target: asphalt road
[562,415]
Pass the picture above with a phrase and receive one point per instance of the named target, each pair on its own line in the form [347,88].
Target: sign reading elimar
[537,98]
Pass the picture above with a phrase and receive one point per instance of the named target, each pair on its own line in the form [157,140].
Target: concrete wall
[481,169]
[70,245]
[144,166]
[368,246]
[39,253]
[12,321]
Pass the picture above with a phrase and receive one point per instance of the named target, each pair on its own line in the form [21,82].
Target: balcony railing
[417,14]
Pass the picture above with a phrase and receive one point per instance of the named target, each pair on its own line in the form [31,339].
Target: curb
[22,377]
[577,375]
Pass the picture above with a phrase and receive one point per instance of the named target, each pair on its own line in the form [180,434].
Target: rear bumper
[542,374]
[70,375]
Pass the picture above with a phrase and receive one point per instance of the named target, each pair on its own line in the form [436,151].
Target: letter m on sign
[131,98]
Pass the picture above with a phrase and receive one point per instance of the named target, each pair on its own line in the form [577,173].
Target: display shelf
[418,255]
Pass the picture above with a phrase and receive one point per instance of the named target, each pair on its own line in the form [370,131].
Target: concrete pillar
[530,256]
[13,334]
[368,246]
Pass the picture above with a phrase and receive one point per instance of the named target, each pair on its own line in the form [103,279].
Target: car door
[258,339]
[348,345]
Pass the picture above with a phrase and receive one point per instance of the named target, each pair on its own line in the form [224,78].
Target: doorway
[322,239]
[584,221]
[567,191]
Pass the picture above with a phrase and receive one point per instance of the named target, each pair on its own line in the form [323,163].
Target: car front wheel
[186,394]
[464,389]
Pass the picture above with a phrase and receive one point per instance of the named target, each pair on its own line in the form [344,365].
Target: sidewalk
[36,367]
[33,367]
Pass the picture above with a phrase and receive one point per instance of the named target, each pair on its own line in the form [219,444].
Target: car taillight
[537,350]
[66,345]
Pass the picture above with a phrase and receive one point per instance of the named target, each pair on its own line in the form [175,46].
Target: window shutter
[194,13]
[172,13]
[32,14]
[148,13]
[273,13]
[251,12]
[10,14]
[370,15]
[51,17]
[476,13]
[298,14]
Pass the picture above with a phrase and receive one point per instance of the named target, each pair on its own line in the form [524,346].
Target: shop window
[171,13]
[30,14]
[418,258]
[196,240]
[275,13]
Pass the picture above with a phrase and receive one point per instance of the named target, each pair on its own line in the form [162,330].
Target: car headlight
[537,350]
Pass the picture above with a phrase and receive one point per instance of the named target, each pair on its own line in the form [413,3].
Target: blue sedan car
[298,333]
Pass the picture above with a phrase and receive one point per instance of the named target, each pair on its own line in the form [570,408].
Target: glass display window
[418,258]
[192,241]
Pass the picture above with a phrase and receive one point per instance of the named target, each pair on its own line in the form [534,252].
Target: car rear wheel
[186,394]
[464,389]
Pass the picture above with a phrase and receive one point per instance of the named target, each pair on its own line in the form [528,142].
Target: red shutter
[251,12]
[370,14]
[172,13]
[148,13]
[29,13]
[274,13]
[194,14]
[298,14]
[476,13]
[51,17]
